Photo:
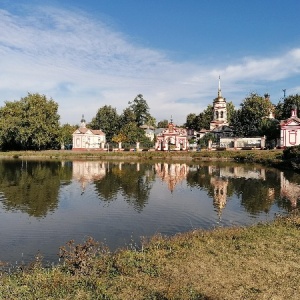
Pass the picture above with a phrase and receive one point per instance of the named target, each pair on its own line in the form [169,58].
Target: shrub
[78,259]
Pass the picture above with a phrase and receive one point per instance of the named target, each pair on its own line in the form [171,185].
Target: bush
[291,153]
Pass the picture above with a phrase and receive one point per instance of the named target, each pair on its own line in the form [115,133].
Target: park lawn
[256,262]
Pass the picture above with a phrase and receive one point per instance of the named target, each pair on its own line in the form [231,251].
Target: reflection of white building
[88,171]
[172,174]
[289,190]
[241,172]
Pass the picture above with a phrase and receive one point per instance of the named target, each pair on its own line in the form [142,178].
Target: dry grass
[258,262]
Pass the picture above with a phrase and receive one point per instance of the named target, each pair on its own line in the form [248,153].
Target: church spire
[219,89]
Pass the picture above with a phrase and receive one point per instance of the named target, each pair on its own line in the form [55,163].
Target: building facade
[219,111]
[88,139]
[290,130]
[172,138]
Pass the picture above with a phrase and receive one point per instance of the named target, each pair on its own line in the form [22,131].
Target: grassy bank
[260,156]
[257,262]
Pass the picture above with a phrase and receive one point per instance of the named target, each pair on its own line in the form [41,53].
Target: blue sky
[91,53]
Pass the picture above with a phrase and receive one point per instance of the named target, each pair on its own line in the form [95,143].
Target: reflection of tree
[257,193]
[32,186]
[134,181]
[256,196]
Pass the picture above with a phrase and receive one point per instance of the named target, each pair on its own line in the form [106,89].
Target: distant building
[219,111]
[149,131]
[290,130]
[88,139]
[172,138]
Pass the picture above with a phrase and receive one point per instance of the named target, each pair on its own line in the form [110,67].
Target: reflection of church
[172,174]
[220,193]
[88,171]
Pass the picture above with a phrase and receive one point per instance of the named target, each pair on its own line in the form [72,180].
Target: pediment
[88,132]
[292,123]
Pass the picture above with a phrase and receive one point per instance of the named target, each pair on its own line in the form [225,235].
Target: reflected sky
[45,204]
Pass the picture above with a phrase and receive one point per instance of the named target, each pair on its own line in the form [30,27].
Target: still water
[44,204]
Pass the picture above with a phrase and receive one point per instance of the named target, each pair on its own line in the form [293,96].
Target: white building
[88,139]
[290,130]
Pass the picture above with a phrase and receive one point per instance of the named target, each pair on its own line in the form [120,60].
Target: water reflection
[172,174]
[32,187]
[44,204]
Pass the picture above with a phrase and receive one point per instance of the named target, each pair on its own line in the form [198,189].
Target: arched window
[217,114]
[222,114]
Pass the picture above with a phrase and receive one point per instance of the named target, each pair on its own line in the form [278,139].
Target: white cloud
[84,64]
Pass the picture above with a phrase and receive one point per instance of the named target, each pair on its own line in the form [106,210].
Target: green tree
[65,134]
[191,121]
[133,133]
[141,109]
[247,120]
[270,128]
[163,124]
[230,111]
[204,118]
[203,142]
[108,120]
[31,123]
[127,116]
[283,109]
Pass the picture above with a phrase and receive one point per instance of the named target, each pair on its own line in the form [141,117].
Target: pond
[44,204]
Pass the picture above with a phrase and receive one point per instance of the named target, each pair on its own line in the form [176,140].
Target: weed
[78,259]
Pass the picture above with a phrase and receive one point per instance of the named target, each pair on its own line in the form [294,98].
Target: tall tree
[141,109]
[127,116]
[191,121]
[247,120]
[65,134]
[204,118]
[230,111]
[163,124]
[283,109]
[31,123]
[106,119]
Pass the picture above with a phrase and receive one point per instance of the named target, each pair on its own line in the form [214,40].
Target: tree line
[33,122]
[251,117]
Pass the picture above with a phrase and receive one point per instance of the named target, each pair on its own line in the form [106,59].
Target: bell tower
[219,110]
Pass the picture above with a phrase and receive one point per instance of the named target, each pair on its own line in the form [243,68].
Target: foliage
[141,110]
[30,123]
[133,133]
[119,138]
[127,116]
[106,119]
[163,124]
[230,111]
[203,142]
[291,153]
[191,121]
[65,134]
[247,120]
[283,109]
[270,128]
[78,259]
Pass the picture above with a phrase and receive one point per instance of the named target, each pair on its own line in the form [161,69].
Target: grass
[239,155]
[257,262]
